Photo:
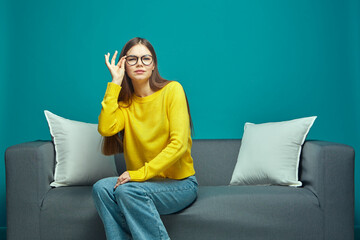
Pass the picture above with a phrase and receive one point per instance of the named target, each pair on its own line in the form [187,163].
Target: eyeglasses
[132,59]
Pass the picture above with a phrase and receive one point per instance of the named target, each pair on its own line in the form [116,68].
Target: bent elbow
[105,132]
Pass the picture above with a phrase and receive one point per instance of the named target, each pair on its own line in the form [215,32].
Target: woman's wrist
[117,82]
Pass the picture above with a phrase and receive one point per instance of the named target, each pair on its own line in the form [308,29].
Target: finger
[113,58]
[107,59]
[117,184]
[123,63]
[121,182]
[120,63]
[124,181]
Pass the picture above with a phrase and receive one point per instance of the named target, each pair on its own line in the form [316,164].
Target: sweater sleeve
[111,118]
[178,138]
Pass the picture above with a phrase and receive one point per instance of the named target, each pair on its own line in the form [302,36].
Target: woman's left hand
[123,178]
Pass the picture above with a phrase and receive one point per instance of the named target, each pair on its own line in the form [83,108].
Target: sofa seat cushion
[249,212]
[237,212]
[70,213]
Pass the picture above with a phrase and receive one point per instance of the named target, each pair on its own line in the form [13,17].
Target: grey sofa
[323,208]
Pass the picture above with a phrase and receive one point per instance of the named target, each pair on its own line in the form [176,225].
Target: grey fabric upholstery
[322,209]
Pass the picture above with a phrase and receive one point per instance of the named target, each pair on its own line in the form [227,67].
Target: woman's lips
[139,72]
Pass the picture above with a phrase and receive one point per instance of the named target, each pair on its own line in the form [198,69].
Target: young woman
[148,119]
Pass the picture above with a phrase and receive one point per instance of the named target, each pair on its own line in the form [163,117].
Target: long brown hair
[114,144]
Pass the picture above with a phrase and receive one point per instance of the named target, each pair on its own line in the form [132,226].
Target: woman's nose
[139,63]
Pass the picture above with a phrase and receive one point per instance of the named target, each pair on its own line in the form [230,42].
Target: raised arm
[111,118]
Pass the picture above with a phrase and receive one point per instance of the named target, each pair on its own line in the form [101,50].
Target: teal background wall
[238,61]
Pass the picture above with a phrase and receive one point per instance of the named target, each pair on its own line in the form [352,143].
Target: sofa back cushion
[214,160]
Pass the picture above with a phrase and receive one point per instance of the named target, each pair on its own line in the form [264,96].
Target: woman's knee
[104,185]
[128,190]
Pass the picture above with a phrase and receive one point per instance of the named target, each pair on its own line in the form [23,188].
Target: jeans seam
[152,207]
[123,221]
[148,199]
[169,189]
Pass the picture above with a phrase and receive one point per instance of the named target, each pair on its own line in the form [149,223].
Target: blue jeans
[132,210]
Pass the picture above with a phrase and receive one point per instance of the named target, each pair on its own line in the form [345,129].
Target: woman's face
[139,51]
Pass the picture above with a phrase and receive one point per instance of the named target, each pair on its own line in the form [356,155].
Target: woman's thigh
[169,195]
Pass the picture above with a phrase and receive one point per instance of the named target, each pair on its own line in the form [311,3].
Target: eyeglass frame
[137,59]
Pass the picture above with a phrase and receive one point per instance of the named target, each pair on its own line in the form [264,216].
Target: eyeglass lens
[146,59]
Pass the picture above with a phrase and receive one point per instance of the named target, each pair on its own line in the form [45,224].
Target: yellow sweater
[157,140]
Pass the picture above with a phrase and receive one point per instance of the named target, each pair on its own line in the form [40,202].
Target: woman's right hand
[117,71]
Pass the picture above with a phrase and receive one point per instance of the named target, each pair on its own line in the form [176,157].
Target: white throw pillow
[79,160]
[270,153]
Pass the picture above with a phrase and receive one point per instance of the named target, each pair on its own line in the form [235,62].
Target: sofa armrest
[29,172]
[327,169]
